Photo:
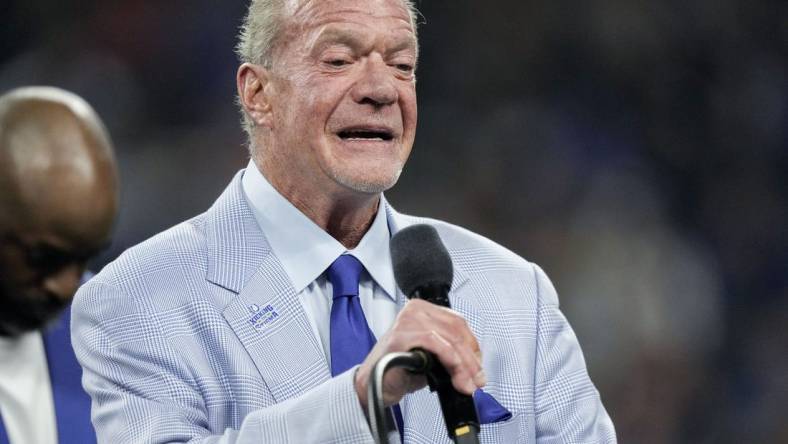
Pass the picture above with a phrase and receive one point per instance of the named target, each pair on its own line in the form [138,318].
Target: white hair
[258,36]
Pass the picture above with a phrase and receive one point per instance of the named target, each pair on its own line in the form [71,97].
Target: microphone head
[420,259]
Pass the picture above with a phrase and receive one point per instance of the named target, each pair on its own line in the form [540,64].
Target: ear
[253,88]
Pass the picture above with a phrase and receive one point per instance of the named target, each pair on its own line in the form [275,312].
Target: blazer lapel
[235,244]
[273,327]
[72,404]
[266,314]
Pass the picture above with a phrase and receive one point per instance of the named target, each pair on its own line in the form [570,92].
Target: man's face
[343,94]
[40,270]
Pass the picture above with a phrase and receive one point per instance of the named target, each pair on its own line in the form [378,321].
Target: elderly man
[229,327]
[58,200]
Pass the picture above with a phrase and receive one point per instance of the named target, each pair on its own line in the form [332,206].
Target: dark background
[634,149]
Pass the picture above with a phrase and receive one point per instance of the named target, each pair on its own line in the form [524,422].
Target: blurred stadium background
[637,150]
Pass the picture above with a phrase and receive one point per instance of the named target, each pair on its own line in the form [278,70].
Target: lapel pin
[262,316]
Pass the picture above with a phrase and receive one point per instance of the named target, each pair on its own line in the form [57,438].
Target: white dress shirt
[305,252]
[25,391]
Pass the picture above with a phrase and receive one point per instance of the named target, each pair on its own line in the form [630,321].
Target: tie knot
[344,273]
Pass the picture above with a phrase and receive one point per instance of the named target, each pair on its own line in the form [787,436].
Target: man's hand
[433,328]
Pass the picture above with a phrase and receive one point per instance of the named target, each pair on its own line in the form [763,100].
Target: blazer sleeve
[568,406]
[141,393]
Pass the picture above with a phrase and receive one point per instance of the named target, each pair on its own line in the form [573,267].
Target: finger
[446,320]
[398,382]
[454,328]
[472,364]
[452,361]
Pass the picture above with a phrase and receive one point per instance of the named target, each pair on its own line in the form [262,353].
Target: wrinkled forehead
[315,12]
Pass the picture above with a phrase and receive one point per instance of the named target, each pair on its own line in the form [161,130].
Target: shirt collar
[304,249]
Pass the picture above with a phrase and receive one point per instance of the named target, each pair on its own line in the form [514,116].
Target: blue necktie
[351,338]
[3,436]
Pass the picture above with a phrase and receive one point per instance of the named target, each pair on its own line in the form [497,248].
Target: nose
[64,282]
[376,86]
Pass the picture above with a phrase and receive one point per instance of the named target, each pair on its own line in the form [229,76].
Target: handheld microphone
[423,270]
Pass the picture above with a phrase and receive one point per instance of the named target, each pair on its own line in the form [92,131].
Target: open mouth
[366,134]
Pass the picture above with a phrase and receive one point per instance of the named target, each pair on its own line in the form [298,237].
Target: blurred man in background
[58,201]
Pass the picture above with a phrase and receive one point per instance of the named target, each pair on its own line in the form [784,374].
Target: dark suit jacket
[72,404]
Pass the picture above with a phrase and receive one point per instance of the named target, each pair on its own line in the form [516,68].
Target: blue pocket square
[489,409]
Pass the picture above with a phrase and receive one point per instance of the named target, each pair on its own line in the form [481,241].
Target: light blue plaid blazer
[196,335]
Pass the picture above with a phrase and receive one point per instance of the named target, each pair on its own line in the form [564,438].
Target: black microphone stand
[381,419]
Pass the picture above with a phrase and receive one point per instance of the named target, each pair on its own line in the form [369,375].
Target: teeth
[364,135]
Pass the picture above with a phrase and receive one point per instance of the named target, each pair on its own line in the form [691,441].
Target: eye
[404,67]
[337,63]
